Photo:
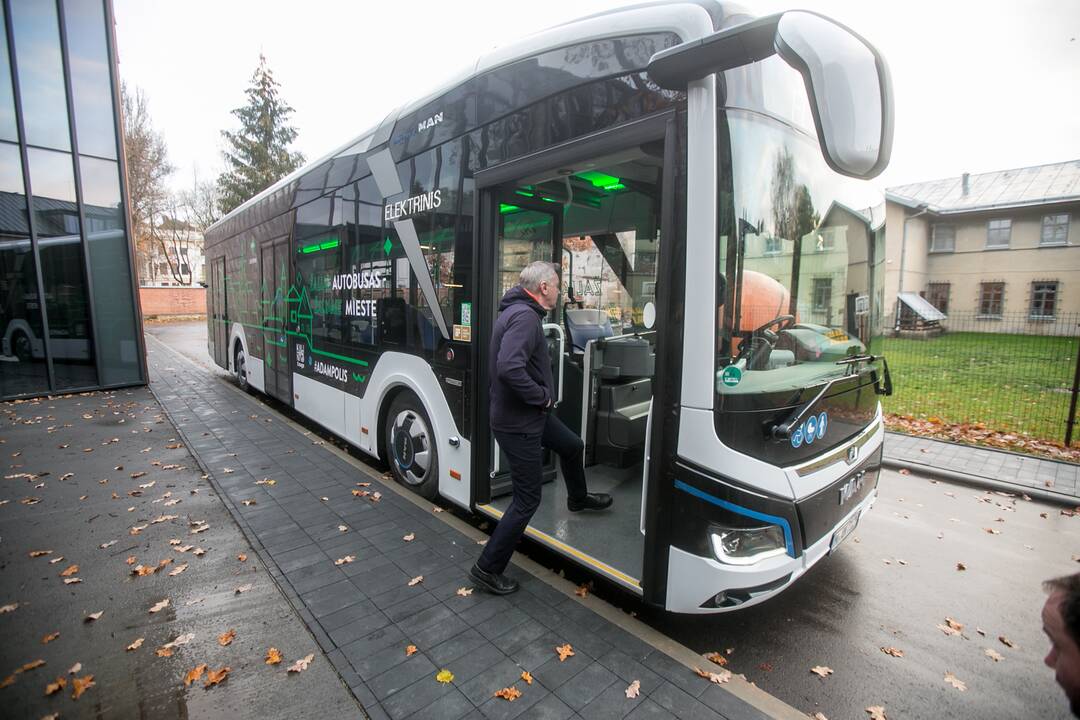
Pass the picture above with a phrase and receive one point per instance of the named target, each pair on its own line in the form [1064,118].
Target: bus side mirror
[846,80]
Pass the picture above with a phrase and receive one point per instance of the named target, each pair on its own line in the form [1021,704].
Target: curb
[981,481]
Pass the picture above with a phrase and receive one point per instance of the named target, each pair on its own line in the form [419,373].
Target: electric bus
[700,176]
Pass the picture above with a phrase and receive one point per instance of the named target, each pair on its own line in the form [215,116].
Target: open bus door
[598,208]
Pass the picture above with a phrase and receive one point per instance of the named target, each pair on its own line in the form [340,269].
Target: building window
[773,245]
[942,238]
[822,297]
[1055,230]
[937,294]
[998,232]
[991,298]
[1043,299]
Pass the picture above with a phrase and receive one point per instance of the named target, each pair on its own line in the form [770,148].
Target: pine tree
[258,154]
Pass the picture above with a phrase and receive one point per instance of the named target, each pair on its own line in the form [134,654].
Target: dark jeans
[526,474]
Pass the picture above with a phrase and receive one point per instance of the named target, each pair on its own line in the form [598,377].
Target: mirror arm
[741,45]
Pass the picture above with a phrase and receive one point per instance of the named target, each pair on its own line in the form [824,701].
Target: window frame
[989,314]
[934,247]
[1035,301]
[930,295]
[1043,242]
[991,229]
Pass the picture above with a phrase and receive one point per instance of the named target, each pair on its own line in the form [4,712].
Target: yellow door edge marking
[632,583]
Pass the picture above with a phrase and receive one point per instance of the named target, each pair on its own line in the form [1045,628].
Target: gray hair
[537,272]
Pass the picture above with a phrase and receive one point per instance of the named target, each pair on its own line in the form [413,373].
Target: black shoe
[591,501]
[493,582]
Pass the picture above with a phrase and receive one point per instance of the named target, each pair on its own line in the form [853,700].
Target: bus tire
[240,365]
[411,450]
[21,347]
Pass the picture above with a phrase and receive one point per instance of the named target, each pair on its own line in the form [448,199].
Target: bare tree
[171,233]
[202,203]
[148,168]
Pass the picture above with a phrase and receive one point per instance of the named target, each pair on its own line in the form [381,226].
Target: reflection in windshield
[797,246]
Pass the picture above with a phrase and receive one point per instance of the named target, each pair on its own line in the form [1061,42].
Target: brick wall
[173,301]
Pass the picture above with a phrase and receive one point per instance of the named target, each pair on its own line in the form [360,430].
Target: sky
[978,86]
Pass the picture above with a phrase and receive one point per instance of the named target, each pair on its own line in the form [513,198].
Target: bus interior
[600,221]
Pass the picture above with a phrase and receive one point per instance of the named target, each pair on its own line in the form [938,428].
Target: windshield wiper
[881,388]
[783,430]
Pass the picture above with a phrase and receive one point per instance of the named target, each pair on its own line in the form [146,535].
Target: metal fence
[1011,374]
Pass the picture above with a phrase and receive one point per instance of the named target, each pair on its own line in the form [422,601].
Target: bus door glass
[275,285]
[526,230]
[219,330]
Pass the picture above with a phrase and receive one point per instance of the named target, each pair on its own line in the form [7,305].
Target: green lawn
[1013,383]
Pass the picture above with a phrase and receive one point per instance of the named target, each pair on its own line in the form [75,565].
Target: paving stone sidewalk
[1051,479]
[365,613]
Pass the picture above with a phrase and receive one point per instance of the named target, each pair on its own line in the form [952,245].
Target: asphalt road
[889,586]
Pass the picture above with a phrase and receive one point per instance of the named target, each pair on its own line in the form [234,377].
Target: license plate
[846,529]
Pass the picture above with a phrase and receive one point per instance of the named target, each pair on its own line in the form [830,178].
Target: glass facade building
[68,305]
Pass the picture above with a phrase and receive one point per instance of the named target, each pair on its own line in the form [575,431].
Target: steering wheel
[782,320]
[763,338]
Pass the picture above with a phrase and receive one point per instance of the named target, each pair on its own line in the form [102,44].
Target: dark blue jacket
[521,382]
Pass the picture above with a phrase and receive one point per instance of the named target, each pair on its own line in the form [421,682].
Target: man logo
[852,454]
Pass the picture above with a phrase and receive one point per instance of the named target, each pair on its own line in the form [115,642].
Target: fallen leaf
[49,638]
[250,501]
[12,606]
[444,676]
[877,712]
[130,560]
[582,590]
[75,669]
[93,616]
[242,557]
[136,529]
[158,607]
[199,529]
[717,658]
[895,652]
[360,493]
[81,685]
[194,674]
[273,656]
[107,545]
[961,566]
[225,639]
[179,569]
[345,560]
[904,471]
[951,627]
[55,687]
[198,552]
[39,553]
[716,677]
[992,531]
[634,689]
[464,591]
[266,481]
[243,588]
[166,650]
[819,716]
[1006,641]
[216,676]
[409,538]
[69,571]
[510,694]
[183,548]
[564,652]
[993,655]
[955,682]
[136,645]
[416,580]
[72,581]
[343,528]
[302,664]
[30,666]
[527,677]
[821,671]
[437,509]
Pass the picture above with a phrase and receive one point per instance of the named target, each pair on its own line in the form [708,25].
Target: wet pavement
[889,586]
[80,453]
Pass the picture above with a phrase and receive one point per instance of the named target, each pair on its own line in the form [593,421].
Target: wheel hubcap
[411,445]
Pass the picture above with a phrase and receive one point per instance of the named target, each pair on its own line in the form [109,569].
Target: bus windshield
[801,254]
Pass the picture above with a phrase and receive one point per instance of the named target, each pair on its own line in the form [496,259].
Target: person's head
[541,280]
[1061,623]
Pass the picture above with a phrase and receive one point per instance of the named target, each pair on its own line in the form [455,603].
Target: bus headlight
[746,546]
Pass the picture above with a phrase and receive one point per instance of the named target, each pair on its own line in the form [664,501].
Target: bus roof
[687,18]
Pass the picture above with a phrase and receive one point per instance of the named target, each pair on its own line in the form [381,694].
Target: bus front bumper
[704,585]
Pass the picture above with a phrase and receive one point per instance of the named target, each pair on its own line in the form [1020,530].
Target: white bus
[700,176]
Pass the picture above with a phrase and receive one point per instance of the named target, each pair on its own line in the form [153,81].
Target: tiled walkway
[364,613]
[1049,478]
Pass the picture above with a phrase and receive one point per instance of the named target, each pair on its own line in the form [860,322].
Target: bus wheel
[410,447]
[240,363]
[21,347]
